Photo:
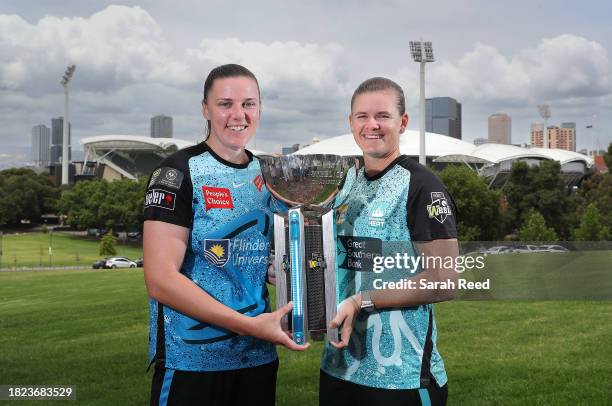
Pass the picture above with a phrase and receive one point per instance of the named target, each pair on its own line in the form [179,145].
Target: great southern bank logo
[439,208]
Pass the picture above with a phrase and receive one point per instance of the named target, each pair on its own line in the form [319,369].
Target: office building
[443,116]
[161,126]
[57,137]
[500,128]
[560,137]
[41,144]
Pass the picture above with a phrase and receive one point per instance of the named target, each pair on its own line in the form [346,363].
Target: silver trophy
[305,239]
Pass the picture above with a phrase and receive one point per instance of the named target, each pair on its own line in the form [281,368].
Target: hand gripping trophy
[305,239]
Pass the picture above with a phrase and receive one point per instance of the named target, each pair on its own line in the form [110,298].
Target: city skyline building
[57,137]
[443,116]
[161,126]
[559,137]
[500,128]
[41,145]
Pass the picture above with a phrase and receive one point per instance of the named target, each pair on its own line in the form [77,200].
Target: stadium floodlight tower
[422,52]
[65,147]
[544,110]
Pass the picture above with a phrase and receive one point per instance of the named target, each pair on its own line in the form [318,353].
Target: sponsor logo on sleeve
[154,176]
[439,208]
[217,251]
[217,198]
[258,182]
[168,177]
[160,198]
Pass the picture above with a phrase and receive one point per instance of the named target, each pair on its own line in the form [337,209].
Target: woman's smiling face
[376,123]
[233,108]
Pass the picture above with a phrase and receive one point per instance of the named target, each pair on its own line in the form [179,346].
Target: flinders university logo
[217,251]
[439,208]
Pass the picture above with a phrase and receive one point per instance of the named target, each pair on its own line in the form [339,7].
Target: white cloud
[313,67]
[112,47]
[563,67]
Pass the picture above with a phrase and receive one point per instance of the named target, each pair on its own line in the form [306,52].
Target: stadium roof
[131,156]
[437,144]
[442,148]
[134,142]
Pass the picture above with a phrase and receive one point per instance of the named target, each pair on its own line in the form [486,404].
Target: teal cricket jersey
[382,215]
[227,209]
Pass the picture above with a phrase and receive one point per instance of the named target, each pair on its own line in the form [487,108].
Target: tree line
[533,205]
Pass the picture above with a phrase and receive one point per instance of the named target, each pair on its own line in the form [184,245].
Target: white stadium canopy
[130,156]
[490,160]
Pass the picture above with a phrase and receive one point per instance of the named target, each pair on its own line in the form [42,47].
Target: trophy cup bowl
[305,238]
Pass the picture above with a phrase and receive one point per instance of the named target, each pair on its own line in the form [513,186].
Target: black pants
[247,386]
[337,392]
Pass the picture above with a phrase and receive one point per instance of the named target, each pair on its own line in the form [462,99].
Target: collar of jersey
[228,163]
[384,171]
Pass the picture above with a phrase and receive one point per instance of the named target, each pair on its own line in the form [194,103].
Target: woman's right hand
[267,326]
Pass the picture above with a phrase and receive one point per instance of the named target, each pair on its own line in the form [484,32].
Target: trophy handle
[330,275]
[298,276]
[280,266]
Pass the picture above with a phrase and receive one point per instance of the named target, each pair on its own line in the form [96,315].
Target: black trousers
[247,386]
[338,392]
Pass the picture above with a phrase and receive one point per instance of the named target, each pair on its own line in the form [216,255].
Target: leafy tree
[541,188]
[98,204]
[608,158]
[26,195]
[108,244]
[592,227]
[597,190]
[478,207]
[534,229]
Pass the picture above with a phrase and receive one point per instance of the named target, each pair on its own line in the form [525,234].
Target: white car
[119,262]
[501,249]
[553,248]
[527,249]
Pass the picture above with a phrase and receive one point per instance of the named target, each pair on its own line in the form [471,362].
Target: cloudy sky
[137,59]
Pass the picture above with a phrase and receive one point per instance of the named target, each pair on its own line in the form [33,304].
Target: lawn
[573,275]
[89,328]
[32,250]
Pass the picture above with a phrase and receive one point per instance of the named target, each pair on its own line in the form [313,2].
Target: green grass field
[89,329]
[32,250]
[573,275]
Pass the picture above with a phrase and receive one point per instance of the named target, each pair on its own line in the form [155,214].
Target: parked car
[525,249]
[139,262]
[553,248]
[99,264]
[500,249]
[134,235]
[119,262]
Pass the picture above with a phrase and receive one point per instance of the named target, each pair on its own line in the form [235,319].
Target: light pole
[422,52]
[544,110]
[65,80]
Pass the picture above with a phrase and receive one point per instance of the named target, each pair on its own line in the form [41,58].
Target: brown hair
[230,70]
[378,84]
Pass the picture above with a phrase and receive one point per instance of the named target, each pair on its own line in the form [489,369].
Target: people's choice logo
[217,198]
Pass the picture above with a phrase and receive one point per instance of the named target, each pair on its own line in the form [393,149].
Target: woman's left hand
[349,309]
